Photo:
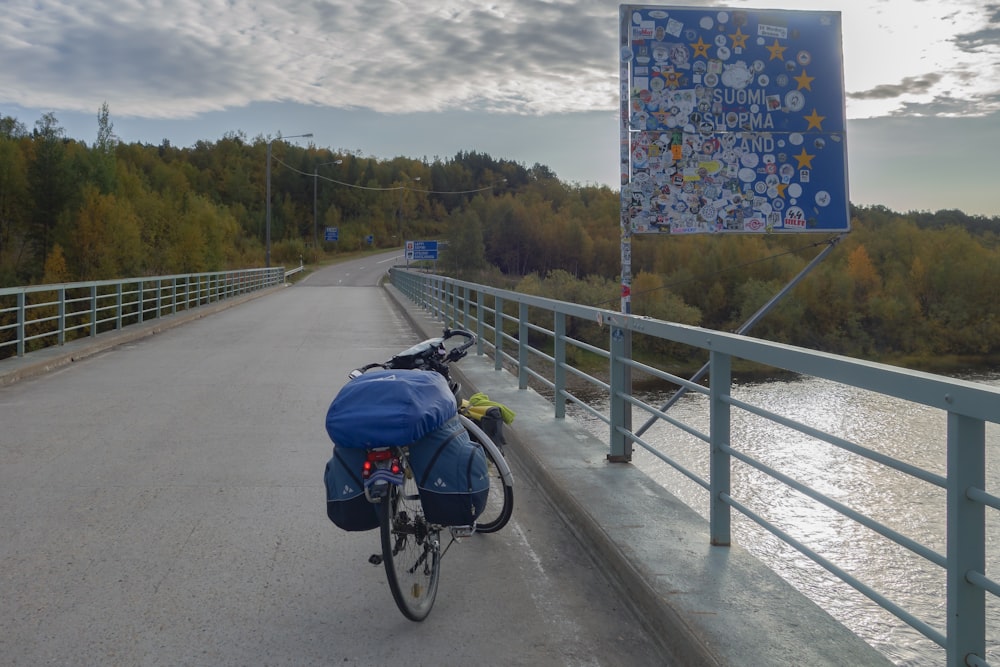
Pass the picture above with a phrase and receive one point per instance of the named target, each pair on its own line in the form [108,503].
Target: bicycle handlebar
[430,354]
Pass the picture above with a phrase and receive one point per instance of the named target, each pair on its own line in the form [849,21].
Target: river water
[905,431]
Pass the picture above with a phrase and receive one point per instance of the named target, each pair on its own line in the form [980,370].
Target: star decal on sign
[739,39]
[777,51]
[700,48]
[804,80]
[674,79]
[804,159]
[815,120]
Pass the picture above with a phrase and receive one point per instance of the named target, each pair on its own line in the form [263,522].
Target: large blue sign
[421,250]
[331,234]
[733,120]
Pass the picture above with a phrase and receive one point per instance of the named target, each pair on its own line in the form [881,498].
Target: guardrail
[507,322]
[39,316]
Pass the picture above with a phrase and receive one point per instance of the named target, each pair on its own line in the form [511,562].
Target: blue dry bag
[389,408]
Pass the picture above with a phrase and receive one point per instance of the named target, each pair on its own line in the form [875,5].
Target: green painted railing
[507,323]
[40,316]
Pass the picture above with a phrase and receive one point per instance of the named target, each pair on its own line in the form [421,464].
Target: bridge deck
[148,546]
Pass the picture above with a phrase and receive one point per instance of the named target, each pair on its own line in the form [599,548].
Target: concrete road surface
[162,503]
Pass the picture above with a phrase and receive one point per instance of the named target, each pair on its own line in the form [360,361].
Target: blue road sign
[331,234]
[732,120]
[421,250]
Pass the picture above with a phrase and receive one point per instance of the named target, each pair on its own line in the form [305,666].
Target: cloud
[192,57]
[909,85]
[523,57]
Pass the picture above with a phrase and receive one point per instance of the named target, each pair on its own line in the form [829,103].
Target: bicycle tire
[411,550]
[500,501]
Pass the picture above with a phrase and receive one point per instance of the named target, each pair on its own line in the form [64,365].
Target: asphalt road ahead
[162,503]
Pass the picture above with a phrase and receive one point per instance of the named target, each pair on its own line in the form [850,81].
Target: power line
[391,189]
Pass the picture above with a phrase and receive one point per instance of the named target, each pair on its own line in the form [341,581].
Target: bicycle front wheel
[500,501]
[411,551]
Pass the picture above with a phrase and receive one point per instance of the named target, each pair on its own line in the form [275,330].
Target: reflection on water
[907,432]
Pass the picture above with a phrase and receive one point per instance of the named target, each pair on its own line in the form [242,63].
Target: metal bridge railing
[531,336]
[40,316]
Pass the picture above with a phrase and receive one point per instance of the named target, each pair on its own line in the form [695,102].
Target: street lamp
[315,189]
[399,216]
[267,241]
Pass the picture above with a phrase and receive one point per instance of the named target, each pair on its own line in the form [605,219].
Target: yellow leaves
[56,270]
[862,270]
[106,239]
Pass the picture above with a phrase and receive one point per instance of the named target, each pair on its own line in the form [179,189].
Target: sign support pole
[749,324]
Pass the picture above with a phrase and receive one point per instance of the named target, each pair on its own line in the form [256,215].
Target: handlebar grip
[470,338]
[358,372]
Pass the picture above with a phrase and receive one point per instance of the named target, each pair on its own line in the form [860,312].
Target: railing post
[451,301]
[498,333]
[439,298]
[620,415]
[720,372]
[465,307]
[480,302]
[120,298]
[21,315]
[966,627]
[62,315]
[141,299]
[559,355]
[93,311]
[522,346]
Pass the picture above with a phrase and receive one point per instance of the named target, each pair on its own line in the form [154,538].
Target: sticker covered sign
[732,121]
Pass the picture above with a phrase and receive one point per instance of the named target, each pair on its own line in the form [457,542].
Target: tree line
[906,287]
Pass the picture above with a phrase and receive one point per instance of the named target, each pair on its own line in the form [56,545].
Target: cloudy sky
[534,81]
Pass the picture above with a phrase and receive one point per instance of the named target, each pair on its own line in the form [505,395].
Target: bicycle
[410,515]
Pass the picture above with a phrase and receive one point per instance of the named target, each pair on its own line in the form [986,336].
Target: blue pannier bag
[346,504]
[451,475]
[389,408]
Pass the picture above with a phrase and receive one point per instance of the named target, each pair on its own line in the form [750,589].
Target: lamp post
[267,238]
[399,216]
[315,190]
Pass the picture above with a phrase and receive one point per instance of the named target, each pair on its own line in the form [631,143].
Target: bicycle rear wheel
[500,502]
[411,550]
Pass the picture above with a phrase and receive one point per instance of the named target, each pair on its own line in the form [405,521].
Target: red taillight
[377,456]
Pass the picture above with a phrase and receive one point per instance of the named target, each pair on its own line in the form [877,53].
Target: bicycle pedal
[375,559]
[458,532]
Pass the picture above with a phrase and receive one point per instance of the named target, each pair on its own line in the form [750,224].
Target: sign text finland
[732,121]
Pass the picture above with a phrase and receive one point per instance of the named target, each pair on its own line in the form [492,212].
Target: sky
[533,81]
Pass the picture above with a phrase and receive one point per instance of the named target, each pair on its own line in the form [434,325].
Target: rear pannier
[451,475]
[346,504]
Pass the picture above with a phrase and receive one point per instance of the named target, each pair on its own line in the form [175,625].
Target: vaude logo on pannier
[440,483]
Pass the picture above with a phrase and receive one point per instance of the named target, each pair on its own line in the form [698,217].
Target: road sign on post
[331,234]
[421,250]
